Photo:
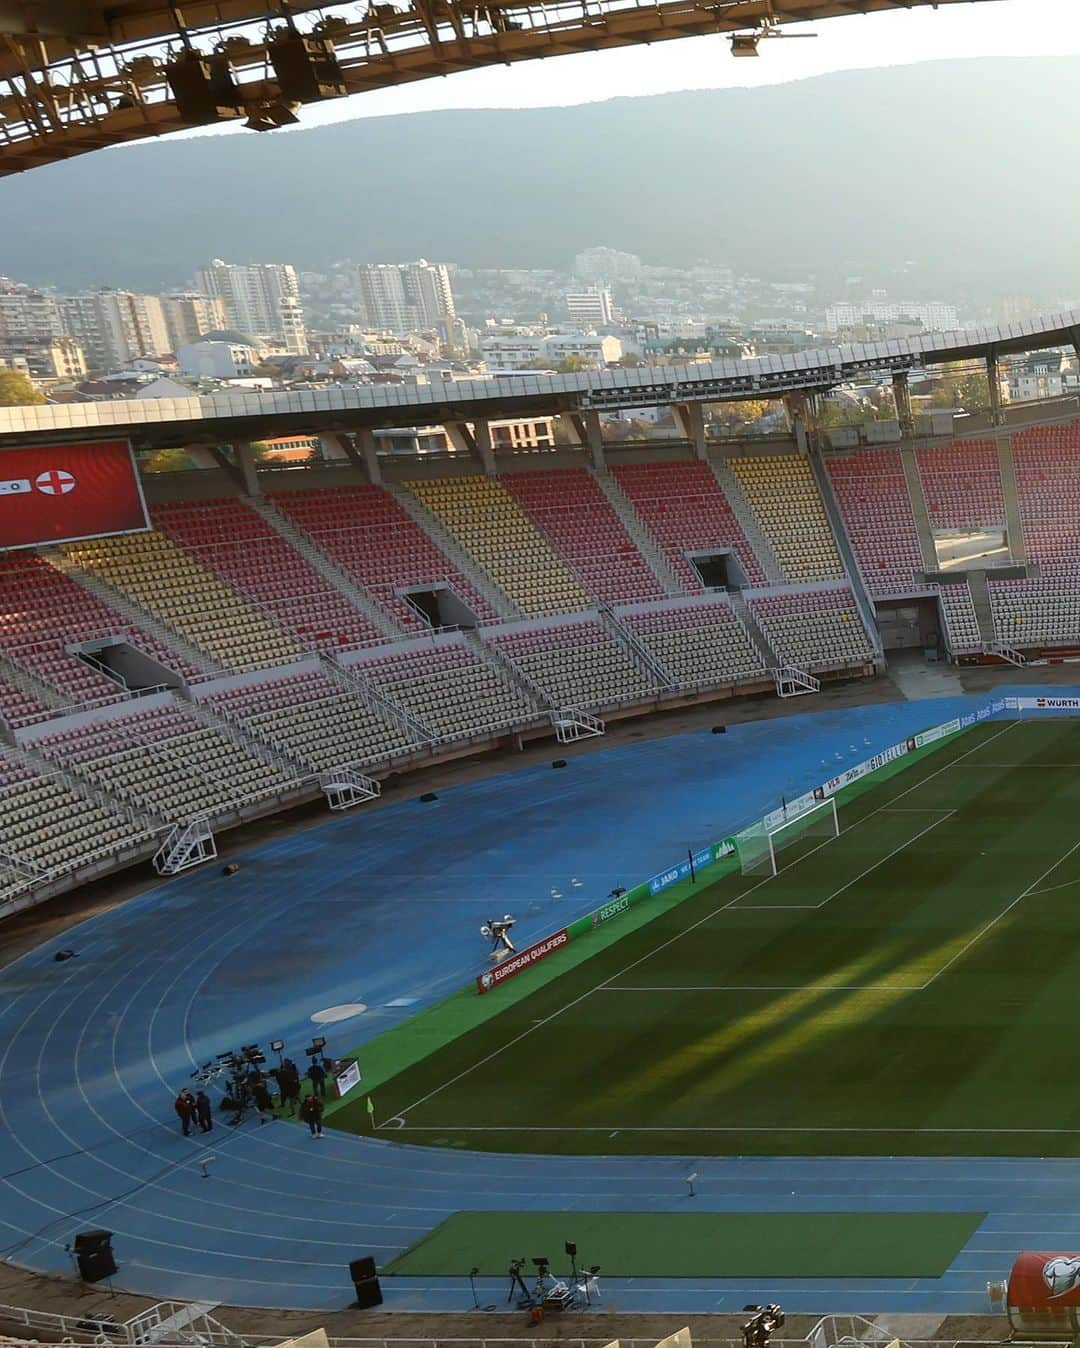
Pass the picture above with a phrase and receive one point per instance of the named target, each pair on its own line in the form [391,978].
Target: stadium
[759,753]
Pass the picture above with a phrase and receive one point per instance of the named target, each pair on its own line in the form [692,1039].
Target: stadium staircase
[644,661]
[641,538]
[134,614]
[1013,521]
[920,513]
[508,670]
[37,690]
[491,525]
[258,744]
[855,577]
[158,575]
[353,680]
[753,629]
[984,613]
[326,568]
[748,522]
[447,544]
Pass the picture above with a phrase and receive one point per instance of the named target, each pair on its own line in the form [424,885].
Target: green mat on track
[699,1244]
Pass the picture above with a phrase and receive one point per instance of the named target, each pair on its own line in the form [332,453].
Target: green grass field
[909,987]
[701,1244]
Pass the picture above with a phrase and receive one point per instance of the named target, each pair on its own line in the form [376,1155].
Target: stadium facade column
[690,423]
[482,439]
[245,462]
[587,431]
[473,438]
[365,443]
[902,398]
[799,414]
[993,384]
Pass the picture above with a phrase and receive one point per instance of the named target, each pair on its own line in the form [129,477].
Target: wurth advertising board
[67,492]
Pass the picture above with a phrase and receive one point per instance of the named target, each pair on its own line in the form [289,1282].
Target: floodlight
[271,116]
[744,44]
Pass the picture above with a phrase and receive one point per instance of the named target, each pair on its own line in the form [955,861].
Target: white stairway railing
[185,845]
[347,786]
[792,682]
[571,723]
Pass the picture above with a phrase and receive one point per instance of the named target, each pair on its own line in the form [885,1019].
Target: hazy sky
[986,28]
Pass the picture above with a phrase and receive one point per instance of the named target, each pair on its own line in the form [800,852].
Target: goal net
[760,846]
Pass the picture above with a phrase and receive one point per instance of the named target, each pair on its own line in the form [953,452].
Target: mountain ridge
[958,167]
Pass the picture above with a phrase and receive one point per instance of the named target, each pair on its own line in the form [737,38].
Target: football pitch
[909,987]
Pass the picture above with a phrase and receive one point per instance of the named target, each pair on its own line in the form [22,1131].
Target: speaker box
[306,68]
[360,1269]
[719,730]
[365,1283]
[559,763]
[429,796]
[94,1256]
[204,88]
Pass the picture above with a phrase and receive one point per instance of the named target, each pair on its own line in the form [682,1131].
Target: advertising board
[67,492]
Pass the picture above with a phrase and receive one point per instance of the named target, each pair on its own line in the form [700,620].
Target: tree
[730,417]
[16,390]
[168,461]
[969,391]
[574,365]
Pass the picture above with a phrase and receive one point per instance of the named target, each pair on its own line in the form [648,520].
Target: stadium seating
[48,826]
[165,762]
[313,719]
[701,644]
[230,539]
[366,532]
[1038,612]
[1047,460]
[17,707]
[576,665]
[684,509]
[491,525]
[817,629]
[872,495]
[572,512]
[43,612]
[448,689]
[962,485]
[153,571]
[782,493]
[961,624]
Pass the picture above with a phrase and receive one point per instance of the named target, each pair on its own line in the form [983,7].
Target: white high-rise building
[262,299]
[115,326]
[591,308]
[27,313]
[935,316]
[403,297]
[189,315]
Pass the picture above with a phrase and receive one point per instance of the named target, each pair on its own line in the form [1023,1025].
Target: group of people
[196,1108]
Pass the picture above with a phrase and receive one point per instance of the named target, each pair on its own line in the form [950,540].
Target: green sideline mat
[699,1244]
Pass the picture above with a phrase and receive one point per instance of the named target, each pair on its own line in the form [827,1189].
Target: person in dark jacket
[316,1074]
[289,1084]
[184,1104]
[311,1110]
[203,1112]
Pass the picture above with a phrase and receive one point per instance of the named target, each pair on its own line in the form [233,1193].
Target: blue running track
[383,907]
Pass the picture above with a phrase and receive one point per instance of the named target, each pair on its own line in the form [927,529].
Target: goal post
[759,845]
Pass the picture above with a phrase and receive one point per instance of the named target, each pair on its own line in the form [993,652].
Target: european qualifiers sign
[524,959]
[68,492]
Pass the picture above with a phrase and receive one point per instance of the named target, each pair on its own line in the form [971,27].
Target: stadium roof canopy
[76,77]
[227,417]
